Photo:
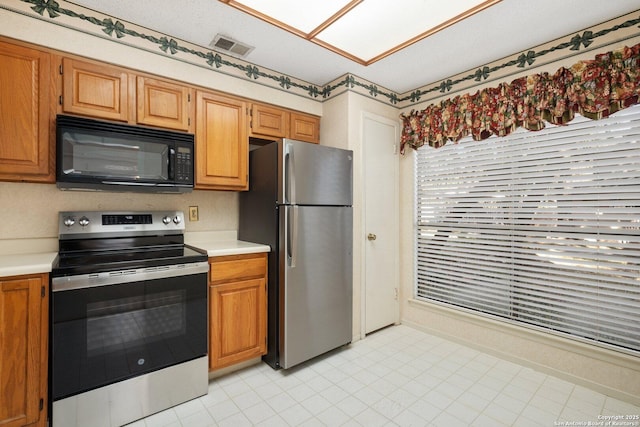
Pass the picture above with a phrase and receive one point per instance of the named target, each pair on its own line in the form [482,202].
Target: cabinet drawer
[233,267]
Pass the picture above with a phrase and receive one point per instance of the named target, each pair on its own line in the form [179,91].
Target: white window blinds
[539,228]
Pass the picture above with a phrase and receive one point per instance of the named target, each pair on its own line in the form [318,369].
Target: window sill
[628,361]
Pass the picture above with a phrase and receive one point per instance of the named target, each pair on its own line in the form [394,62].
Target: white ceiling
[504,29]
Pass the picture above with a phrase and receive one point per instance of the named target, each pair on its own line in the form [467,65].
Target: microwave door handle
[171,160]
[131,184]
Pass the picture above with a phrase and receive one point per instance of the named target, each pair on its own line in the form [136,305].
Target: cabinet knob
[371,236]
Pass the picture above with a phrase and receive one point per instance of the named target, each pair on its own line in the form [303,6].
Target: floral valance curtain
[594,88]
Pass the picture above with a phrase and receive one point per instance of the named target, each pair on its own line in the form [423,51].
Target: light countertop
[223,243]
[20,264]
[218,243]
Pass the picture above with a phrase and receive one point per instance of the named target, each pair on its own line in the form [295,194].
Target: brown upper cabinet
[162,103]
[304,127]
[107,92]
[222,145]
[27,152]
[269,122]
[96,90]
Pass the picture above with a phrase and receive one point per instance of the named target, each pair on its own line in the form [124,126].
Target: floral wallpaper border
[86,20]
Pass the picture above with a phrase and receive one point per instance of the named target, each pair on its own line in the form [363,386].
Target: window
[537,228]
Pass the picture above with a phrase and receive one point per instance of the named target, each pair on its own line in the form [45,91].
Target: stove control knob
[69,221]
[166,220]
[177,219]
[84,221]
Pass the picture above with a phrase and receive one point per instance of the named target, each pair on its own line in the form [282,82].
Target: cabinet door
[95,90]
[268,121]
[222,145]
[22,350]
[238,322]
[26,138]
[304,127]
[162,103]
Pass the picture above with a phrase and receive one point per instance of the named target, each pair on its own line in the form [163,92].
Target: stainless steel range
[128,318]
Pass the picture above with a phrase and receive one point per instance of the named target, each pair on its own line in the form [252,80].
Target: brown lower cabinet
[24,302]
[237,309]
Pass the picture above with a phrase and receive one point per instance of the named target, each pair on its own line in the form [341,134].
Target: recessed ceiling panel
[373,28]
[304,15]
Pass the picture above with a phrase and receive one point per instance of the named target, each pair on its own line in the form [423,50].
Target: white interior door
[380,150]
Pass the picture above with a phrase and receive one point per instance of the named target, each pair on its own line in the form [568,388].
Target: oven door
[136,323]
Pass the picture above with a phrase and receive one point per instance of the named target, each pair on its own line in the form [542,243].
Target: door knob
[371,236]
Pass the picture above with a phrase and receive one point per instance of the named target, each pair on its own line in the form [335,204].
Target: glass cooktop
[87,262]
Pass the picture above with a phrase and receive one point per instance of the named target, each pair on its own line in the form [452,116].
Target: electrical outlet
[193,213]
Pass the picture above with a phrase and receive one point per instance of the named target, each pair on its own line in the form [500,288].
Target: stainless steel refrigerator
[299,203]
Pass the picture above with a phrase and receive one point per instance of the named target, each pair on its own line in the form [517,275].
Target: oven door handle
[83,281]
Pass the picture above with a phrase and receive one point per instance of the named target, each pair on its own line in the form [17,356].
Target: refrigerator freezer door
[314,175]
[316,287]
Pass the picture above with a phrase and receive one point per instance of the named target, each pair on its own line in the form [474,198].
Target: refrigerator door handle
[292,234]
[290,173]
[286,196]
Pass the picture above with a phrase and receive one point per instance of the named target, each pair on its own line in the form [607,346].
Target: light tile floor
[396,377]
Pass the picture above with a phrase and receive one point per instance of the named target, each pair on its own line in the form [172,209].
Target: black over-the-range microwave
[101,155]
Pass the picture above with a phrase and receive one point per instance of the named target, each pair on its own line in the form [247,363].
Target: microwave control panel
[184,164]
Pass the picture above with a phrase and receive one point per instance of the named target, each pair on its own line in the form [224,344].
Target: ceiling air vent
[229,45]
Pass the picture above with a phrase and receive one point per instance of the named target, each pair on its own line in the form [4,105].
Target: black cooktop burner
[87,260]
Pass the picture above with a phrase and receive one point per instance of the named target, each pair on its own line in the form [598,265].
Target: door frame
[395,217]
